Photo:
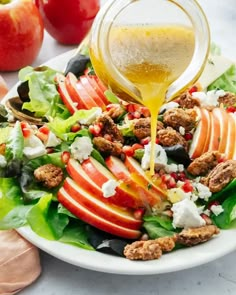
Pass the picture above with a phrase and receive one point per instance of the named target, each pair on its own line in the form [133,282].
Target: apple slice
[78,93]
[93,219]
[96,87]
[107,211]
[207,130]
[91,92]
[125,196]
[65,97]
[201,134]
[230,149]
[222,116]
[134,167]
[216,129]
[118,168]
[121,199]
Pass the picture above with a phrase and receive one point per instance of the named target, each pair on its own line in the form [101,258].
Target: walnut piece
[229,99]
[203,164]
[107,147]
[50,175]
[186,101]
[194,236]
[220,176]
[150,249]
[142,127]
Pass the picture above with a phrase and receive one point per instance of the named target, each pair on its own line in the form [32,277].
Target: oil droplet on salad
[152,58]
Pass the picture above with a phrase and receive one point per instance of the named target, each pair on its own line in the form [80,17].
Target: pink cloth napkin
[19,263]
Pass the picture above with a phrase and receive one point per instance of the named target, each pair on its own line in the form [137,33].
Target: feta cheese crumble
[160,157]
[210,98]
[81,148]
[52,140]
[168,106]
[185,215]
[202,191]
[217,209]
[3,161]
[33,147]
[109,188]
[90,119]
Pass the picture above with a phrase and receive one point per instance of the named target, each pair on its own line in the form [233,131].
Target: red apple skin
[110,213]
[68,21]
[21,34]
[84,214]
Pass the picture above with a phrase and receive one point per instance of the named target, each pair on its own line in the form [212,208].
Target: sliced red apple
[230,149]
[200,134]
[207,130]
[93,219]
[217,129]
[111,213]
[79,93]
[91,92]
[135,168]
[125,196]
[224,127]
[149,197]
[100,91]
[65,97]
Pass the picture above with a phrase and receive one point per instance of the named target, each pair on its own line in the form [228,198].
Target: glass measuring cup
[147,51]
[145,12]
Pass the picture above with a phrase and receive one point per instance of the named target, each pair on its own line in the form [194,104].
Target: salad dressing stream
[152,58]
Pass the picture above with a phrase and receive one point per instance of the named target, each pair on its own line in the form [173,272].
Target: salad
[74,162]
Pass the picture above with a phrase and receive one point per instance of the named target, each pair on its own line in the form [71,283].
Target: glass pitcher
[111,53]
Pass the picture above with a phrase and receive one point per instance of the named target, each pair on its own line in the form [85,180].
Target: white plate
[178,260]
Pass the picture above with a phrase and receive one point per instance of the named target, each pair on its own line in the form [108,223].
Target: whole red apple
[21,33]
[68,21]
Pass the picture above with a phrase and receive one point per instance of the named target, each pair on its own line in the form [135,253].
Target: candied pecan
[109,127]
[108,147]
[229,99]
[50,175]
[220,176]
[194,236]
[142,127]
[177,118]
[186,101]
[167,244]
[203,164]
[143,250]
[170,137]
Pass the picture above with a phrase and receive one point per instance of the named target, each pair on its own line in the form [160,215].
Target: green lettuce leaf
[15,144]
[227,81]
[45,100]
[155,231]
[61,128]
[162,220]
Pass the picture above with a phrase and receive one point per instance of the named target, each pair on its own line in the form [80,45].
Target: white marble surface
[216,278]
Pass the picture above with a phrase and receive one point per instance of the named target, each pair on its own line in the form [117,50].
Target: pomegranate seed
[188,136]
[145,140]
[181,176]
[171,183]
[128,150]
[206,218]
[145,112]
[130,116]
[175,176]
[131,108]
[65,157]
[75,128]
[44,129]
[213,203]
[111,106]
[26,132]
[136,115]
[165,178]
[137,146]
[24,125]
[95,129]
[50,150]
[108,137]
[187,187]
[157,141]
[193,89]
[138,213]
[231,109]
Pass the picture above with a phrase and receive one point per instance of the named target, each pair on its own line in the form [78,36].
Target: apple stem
[5,1]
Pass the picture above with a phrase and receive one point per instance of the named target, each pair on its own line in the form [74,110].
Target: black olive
[77,64]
